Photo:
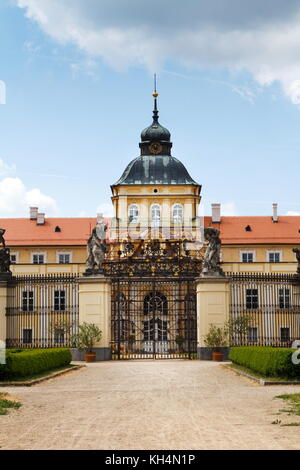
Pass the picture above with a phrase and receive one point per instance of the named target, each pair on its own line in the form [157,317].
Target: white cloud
[15,199]
[261,37]
[292,213]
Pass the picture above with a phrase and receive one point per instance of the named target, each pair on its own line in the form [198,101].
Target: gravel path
[148,405]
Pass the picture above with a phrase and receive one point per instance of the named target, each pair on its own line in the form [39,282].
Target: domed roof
[156,169]
[155,165]
[155,132]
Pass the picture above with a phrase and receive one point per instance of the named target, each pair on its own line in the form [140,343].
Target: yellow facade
[232,258]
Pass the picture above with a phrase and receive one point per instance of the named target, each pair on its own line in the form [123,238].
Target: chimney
[99,218]
[33,213]
[275,215]
[40,218]
[216,213]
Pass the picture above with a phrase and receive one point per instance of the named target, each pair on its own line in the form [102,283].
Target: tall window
[59,300]
[27,301]
[252,334]
[155,214]
[133,213]
[27,335]
[121,326]
[59,336]
[284,334]
[251,298]
[177,213]
[274,257]
[284,298]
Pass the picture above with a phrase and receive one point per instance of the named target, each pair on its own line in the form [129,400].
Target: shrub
[217,337]
[273,362]
[33,361]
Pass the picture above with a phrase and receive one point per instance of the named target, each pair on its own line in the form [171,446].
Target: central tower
[155,192]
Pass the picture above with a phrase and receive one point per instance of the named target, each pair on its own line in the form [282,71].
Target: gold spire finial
[155,94]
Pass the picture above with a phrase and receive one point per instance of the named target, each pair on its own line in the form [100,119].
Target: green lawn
[293,403]
[5,404]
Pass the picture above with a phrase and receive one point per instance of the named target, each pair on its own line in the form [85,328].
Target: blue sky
[79,77]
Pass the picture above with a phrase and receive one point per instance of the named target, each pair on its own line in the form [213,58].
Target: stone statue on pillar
[4,256]
[297,251]
[211,263]
[96,249]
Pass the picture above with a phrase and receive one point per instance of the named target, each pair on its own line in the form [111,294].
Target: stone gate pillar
[212,308]
[95,307]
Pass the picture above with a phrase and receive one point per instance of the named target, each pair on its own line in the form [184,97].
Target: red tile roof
[76,231]
[263,230]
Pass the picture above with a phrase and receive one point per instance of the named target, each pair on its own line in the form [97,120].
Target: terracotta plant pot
[90,356]
[217,356]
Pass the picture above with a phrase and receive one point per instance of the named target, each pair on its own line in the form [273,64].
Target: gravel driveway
[148,405]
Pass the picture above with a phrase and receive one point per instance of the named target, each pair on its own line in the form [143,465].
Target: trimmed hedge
[271,362]
[33,361]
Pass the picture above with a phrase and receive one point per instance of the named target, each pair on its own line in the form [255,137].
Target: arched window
[155,303]
[155,214]
[133,213]
[155,324]
[177,213]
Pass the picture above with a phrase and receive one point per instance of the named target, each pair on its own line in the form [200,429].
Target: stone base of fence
[205,354]
[102,354]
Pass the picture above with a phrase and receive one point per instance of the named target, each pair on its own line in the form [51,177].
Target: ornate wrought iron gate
[154,318]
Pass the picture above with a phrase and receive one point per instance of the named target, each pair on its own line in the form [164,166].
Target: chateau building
[144,285]
[154,198]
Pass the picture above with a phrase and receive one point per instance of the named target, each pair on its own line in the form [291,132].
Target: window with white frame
[64,258]
[14,257]
[133,213]
[252,334]
[155,214]
[59,300]
[247,256]
[251,298]
[177,213]
[38,258]
[27,336]
[27,301]
[284,298]
[59,336]
[274,256]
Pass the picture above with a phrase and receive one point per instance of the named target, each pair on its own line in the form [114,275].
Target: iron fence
[264,309]
[42,311]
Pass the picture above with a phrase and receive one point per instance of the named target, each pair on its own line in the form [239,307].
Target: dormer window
[133,213]
[248,228]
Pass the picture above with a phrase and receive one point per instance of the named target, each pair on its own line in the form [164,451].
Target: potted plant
[180,342]
[89,334]
[131,341]
[215,339]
